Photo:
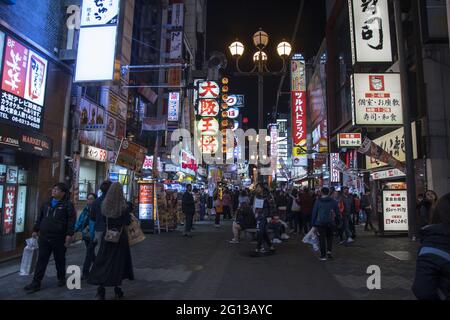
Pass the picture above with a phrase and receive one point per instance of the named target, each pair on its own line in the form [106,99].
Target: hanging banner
[298,95]
[176,45]
[131,156]
[369,148]
[370,31]
[386,174]
[394,144]
[376,99]
[153,124]
[395,210]
[173,107]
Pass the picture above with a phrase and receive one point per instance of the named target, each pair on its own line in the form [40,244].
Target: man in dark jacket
[188,208]
[347,214]
[432,281]
[307,201]
[324,215]
[55,227]
[264,207]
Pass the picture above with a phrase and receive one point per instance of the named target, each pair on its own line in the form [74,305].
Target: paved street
[168,266]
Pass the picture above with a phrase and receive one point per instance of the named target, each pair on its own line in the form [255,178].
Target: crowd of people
[271,214]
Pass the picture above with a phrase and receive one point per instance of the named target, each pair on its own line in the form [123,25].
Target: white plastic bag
[29,257]
[312,239]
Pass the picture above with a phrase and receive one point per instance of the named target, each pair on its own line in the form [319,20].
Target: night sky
[240,19]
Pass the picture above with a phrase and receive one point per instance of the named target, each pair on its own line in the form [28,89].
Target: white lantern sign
[208,126]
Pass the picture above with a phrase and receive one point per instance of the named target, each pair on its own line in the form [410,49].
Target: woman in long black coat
[113,262]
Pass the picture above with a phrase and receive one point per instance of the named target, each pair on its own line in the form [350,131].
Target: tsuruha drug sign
[376,99]
[370,31]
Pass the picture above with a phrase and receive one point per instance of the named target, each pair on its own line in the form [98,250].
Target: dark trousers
[46,248]
[368,221]
[188,222]
[277,230]
[325,239]
[226,212]
[298,222]
[261,233]
[306,222]
[90,255]
[217,219]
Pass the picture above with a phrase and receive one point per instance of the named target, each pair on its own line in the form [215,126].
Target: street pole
[410,172]
[260,108]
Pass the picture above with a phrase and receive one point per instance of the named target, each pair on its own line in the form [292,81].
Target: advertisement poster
[2,173]
[10,210]
[146,201]
[12,174]
[23,85]
[376,99]
[111,125]
[395,212]
[21,207]
[92,117]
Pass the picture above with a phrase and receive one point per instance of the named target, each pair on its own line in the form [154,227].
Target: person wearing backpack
[324,215]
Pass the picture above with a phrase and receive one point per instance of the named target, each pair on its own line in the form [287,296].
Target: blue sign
[114,177]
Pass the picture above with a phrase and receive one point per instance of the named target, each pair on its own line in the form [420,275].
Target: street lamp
[260,59]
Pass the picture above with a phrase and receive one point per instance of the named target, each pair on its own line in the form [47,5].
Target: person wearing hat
[55,228]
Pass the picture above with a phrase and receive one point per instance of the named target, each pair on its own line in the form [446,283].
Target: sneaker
[350,240]
[234,241]
[323,258]
[277,241]
[272,248]
[343,241]
[33,287]
[284,236]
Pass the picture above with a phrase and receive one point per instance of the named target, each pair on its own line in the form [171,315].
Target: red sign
[209,108]
[15,68]
[208,90]
[10,210]
[299,118]
[146,201]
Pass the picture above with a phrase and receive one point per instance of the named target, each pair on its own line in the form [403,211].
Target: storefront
[92,171]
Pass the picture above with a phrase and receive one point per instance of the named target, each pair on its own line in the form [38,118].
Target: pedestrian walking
[324,216]
[227,204]
[218,208]
[307,204]
[296,211]
[55,229]
[366,206]
[432,279]
[357,202]
[97,216]
[188,209]
[262,209]
[348,211]
[86,225]
[203,202]
[113,263]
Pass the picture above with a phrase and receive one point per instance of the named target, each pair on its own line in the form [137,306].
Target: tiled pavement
[168,266]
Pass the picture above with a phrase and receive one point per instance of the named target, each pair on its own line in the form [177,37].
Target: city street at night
[241,154]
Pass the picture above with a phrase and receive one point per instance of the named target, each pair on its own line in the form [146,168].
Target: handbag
[112,235]
[134,232]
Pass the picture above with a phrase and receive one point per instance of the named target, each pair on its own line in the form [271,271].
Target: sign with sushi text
[23,85]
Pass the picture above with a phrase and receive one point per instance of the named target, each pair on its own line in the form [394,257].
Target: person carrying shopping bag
[113,263]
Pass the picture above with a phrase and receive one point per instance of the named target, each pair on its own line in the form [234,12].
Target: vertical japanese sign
[376,99]
[23,85]
[146,201]
[370,31]
[208,110]
[10,210]
[97,41]
[335,176]
[298,94]
[176,45]
[21,208]
[274,148]
[282,148]
[177,15]
[395,212]
[173,107]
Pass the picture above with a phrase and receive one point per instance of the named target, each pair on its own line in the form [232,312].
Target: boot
[100,293]
[118,292]
[33,286]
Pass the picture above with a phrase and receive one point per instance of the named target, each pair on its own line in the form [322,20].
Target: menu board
[395,210]
[146,201]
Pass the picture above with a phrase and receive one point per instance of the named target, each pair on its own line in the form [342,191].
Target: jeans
[188,224]
[46,248]
[261,233]
[325,239]
[90,256]
[368,221]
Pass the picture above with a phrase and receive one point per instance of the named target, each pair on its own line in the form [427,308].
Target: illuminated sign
[233,113]
[208,90]
[298,94]
[208,108]
[349,140]
[376,99]
[23,85]
[335,175]
[395,210]
[370,31]
[208,126]
[173,107]
[97,41]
